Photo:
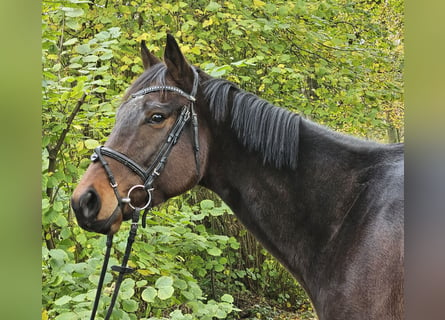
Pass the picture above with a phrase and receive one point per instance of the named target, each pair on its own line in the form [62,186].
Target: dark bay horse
[328,206]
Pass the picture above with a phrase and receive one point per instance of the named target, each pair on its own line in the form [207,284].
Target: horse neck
[295,214]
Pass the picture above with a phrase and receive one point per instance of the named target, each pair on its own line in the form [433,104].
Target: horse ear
[148,58]
[177,65]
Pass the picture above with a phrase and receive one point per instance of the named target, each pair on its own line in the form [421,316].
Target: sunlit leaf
[149,294]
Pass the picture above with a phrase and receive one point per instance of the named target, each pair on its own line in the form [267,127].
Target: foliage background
[338,62]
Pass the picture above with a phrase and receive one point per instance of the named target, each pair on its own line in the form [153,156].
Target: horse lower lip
[103,226]
[127,216]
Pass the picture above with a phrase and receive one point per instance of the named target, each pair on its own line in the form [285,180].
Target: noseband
[148,176]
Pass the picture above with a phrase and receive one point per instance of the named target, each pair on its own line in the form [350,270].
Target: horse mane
[259,125]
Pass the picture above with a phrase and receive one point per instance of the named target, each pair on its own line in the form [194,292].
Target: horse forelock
[259,125]
[156,75]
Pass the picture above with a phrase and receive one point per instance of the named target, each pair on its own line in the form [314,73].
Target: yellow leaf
[126,60]
[79,146]
[91,143]
[258,3]
[195,50]
[262,87]
[229,5]
[207,23]
[145,272]
[99,26]
[52,56]
[45,315]
[143,36]
[185,49]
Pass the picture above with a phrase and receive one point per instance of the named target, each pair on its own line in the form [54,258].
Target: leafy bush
[175,255]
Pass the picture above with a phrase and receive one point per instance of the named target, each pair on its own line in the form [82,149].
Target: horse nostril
[89,204]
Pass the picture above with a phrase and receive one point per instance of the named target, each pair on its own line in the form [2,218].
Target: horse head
[156,138]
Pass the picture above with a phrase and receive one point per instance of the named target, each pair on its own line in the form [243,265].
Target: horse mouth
[109,225]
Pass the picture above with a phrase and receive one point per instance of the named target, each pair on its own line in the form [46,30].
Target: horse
[328,206]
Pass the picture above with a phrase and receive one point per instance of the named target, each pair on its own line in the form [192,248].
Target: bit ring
[128,199]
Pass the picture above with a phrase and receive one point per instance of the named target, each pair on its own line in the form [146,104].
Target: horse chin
[108,226]
[115,226]
[127,215]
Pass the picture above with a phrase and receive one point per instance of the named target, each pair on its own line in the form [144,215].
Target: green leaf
[149,294]
[188,295]
[100,89]
[213,6]
[177,315]
[221,314]
[58,206]
[180,284]
[165,287]
[106,56]
[215,251]
[63,300]
[218,268]
[73,12]
[70,42]
[90,58]
[73,24]
[79,297]
[127,288]
[141,283]
[164,282]
[83,48]
[130,305]
[220,71]
[61,221]
[49,216]
[75,66]
[67,316]
[45,203]
[165,292]
[227,298]
[207,204]
[115,32]
[58,254]
[91,144]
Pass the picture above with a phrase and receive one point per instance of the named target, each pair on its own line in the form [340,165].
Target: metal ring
[139,186]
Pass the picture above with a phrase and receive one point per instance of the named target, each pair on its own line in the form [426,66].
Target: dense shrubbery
[175,255]
[338,62]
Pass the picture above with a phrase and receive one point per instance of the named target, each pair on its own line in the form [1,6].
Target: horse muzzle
[86,208]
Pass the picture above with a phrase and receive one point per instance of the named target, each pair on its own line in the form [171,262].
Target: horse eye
[156,118]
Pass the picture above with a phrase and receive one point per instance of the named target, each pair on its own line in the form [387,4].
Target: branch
[53,152]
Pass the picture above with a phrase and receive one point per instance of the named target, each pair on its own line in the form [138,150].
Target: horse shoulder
[369,250]
[378,265]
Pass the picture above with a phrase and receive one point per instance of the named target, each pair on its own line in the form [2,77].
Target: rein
[148,176]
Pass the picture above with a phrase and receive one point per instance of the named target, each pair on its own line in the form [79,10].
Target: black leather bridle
[148,176]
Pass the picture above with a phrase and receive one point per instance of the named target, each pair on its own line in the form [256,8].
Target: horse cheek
[180,172]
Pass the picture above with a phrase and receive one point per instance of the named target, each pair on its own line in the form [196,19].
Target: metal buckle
[94,157]
[128,199]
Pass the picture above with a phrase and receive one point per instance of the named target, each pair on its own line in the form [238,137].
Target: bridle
[148,176]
